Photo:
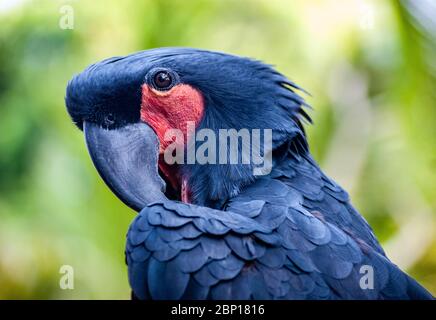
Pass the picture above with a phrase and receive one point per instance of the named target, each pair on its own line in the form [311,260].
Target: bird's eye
[109,120]
[163,80]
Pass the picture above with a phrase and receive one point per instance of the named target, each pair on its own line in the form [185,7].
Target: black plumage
[312,257]
[291,234]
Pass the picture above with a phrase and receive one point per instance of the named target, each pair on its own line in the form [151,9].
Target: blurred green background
[370,66]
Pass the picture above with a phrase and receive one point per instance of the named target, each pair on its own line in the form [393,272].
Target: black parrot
[219,231]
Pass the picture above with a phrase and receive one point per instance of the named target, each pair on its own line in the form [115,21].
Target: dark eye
[163,80]
[109,120]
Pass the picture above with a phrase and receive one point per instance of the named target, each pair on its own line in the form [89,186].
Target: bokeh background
[371,69]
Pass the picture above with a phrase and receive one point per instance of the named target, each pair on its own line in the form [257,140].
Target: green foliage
[373,86]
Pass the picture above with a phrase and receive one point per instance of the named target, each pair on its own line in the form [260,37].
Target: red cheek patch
[172,109]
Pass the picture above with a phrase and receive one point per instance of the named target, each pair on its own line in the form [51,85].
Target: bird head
[126,105]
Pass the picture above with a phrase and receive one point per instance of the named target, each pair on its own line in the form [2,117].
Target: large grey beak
[127,160]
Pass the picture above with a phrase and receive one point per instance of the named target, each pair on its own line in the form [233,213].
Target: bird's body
[219,231]
[291,235]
